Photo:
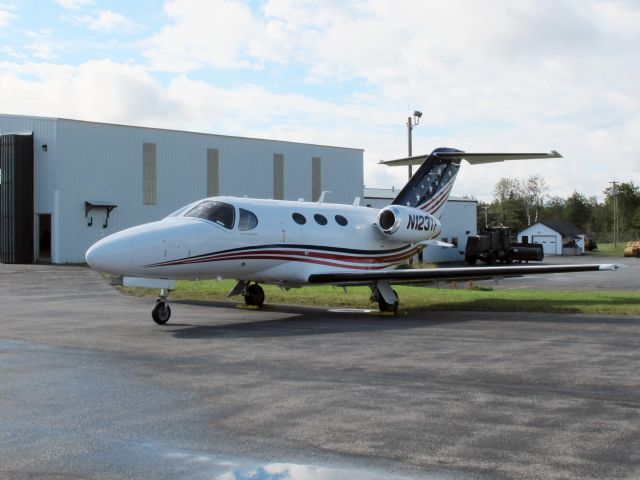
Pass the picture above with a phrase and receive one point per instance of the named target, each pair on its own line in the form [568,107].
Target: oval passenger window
[340,220]
[299,218]
[320,219]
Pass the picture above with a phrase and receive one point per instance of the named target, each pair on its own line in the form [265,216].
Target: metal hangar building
[66,183]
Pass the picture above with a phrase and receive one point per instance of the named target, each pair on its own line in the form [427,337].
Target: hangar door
[548,242]
[16,198]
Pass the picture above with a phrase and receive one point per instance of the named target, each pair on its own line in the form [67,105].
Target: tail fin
[430,186]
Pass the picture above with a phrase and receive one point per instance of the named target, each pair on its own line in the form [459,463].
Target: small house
[557,237]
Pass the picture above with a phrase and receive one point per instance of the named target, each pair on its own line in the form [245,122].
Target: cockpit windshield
[220,213]
[180,211]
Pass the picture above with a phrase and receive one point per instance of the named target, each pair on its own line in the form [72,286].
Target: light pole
[615,214]
[412,122]
[486,219]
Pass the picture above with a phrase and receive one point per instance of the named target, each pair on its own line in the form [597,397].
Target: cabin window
[248,220]
[320,219]
[454,241]
[220,213]
[340,220]
[299,218]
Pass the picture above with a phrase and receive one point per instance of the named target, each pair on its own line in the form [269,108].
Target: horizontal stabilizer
[472,158]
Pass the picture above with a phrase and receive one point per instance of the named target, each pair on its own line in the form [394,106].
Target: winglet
[612,266]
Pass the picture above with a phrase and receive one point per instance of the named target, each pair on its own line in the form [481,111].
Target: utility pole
[615,214]
[486,221]
[412,122]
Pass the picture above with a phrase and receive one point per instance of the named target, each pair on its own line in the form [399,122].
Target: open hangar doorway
[43,251]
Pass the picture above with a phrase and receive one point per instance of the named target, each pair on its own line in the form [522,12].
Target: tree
[505,192]
[532,191]
[554,207]
[578,210]
[627,200]
[635,220]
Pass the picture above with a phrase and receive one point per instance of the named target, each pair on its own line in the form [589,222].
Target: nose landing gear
[161,311]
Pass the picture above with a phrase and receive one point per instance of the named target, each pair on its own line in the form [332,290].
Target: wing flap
[447,274]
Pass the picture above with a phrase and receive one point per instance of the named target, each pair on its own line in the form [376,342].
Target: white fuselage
[270,241]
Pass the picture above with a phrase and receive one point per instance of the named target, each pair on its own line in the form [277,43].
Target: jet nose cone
[113,254]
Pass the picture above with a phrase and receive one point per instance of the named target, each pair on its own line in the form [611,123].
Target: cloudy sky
[494,75]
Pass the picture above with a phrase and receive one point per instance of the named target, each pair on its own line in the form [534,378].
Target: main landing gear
[161,313]
[386,297]
[253,295]
[252,292]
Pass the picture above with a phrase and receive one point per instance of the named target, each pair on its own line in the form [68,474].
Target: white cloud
[204,32]
[99,90]
[106,21]
[38,45]
[74,4]
[6,16]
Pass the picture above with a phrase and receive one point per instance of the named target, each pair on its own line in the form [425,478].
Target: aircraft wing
[429,275]
[472,158]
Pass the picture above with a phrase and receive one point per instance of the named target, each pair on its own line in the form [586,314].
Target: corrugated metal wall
[16,198]
[103,163]
[459,220]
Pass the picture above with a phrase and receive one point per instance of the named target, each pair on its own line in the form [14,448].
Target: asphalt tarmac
[627,278]
[90,387]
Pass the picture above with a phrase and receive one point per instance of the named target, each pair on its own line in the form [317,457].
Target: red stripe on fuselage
[298,255]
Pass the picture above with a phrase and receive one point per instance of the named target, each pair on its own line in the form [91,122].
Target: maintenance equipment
[494,245]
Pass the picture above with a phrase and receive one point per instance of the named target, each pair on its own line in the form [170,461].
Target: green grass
[609,250]
[417,298]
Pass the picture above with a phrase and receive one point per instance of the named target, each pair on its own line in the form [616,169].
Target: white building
[459,219]
[92,179]
[554,235]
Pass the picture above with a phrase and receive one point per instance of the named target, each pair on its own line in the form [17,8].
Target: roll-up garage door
[548,243]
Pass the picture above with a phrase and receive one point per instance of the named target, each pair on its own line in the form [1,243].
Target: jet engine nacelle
[406,224]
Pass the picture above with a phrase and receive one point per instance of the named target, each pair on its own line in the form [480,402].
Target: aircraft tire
[161,313]
[254,295]
[388,307]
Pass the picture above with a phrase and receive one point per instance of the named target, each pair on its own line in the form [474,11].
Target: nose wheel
[161,312]
[254,295]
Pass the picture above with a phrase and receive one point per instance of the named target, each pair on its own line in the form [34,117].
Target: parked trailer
[494,245]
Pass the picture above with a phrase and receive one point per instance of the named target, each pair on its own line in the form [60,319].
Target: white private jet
[293,244]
